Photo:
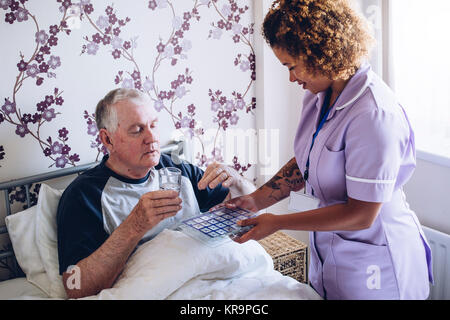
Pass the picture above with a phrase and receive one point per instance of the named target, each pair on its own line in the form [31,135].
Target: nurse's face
[297,72]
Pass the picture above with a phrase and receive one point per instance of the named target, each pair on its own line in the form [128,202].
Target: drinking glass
[170,178]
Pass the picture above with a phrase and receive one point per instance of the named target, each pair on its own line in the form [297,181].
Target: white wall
[428,195]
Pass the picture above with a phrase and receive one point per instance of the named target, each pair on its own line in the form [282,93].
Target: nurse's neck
[337,86]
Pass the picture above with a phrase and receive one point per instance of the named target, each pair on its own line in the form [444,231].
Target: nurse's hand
[247,202]
[264,225]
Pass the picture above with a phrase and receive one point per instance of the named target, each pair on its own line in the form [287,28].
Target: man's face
[135,143]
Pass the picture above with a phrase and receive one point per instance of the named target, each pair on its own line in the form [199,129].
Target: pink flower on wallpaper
[63,132]
[152,4]
[102,22]
[10,17]
[159,105]
[32,70]
[49,114]
[22,65]
[22,130]
[147,85]
[116,43]
[180,92]
[229,105]
[240,104]
[127,83]
[161,4]
[245,65]
[9,107]
[234,119]
[215,106]
[41,37]
[4,4]
[185,122]
[54,62]
[237,28]
[160,47]
[61,162]
[191,109]
[116,54]
[92,48]
[21,15]
[56,148]
[92,129]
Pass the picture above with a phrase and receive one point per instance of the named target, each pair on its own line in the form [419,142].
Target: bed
[185,268]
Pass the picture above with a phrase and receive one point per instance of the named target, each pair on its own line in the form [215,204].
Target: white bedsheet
[176,266]
[20,288]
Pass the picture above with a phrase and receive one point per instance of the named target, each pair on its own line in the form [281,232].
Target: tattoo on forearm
[288,179]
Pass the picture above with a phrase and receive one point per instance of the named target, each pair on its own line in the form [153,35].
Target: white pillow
[21,230]
[47,237]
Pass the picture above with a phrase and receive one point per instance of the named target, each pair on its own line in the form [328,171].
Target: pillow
[47,238]
[21,229]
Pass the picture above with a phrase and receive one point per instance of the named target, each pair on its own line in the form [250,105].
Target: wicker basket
[289,255]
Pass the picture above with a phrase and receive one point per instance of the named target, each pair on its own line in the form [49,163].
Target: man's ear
[105,138]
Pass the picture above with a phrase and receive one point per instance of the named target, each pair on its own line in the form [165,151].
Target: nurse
[354,152]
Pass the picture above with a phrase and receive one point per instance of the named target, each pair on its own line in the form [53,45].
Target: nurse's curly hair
[329,36]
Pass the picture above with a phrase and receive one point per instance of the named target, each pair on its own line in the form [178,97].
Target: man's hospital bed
[170,266]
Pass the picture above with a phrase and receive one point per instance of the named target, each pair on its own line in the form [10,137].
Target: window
[420,48]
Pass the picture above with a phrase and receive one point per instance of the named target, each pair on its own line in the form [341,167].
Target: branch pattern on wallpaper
[166,96]
[106,34]
[40,65]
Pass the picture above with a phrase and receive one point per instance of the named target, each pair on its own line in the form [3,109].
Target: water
[170,186]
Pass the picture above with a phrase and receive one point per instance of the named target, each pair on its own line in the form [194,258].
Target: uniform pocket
[363,271]
[331,175]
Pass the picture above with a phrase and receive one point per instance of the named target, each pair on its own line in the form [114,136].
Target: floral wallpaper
[194,59]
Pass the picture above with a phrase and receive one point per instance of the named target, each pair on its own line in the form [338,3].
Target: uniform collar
[352,91]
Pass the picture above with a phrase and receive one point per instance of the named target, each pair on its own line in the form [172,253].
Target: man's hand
[217,173]
[153,207]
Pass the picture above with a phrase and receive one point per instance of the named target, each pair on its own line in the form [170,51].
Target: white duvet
[176,266]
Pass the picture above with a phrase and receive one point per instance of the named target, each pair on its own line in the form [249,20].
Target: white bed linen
[176,266]
[20,288]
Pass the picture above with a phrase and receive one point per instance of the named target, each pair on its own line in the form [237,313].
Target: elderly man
[110,209]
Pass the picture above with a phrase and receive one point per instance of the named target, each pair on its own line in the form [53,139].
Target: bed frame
[175,149]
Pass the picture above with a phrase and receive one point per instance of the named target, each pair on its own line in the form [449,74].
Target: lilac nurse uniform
[365,151]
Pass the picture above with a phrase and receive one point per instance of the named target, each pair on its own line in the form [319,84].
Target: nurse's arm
[279,187]
[353,215]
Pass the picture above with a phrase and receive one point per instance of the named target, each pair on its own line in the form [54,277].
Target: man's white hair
[106,113]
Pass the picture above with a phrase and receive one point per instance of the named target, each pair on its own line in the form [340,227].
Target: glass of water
[170,178]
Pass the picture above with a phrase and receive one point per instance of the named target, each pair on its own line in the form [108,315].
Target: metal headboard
[175,149]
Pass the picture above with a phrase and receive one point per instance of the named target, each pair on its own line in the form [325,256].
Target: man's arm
[99,270]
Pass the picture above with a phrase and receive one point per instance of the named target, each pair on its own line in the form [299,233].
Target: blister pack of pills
[217,225]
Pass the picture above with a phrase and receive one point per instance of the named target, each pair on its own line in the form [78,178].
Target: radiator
[440,249]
